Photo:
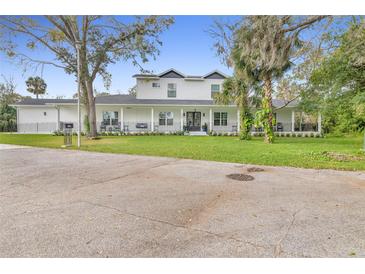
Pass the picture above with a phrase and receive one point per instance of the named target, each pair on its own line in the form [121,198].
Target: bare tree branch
[305,24]
[288,102]
[40,61]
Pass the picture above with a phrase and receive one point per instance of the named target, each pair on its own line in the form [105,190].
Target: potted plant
[205,127]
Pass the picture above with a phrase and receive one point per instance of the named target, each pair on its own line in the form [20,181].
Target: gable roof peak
[172,70]
[215,71]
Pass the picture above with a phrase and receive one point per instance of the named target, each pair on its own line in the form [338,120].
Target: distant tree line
[8,96]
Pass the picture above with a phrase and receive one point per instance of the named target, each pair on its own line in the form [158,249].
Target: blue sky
[186,46]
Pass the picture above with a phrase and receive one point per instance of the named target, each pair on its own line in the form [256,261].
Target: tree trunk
[85,102]
[267,106]
[245,124]
[91,108]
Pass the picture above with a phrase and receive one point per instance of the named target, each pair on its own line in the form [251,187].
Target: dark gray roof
[39,102]
[172,73]
[278,103]
[124,99]
[193,76]
[145,75]
[131,100]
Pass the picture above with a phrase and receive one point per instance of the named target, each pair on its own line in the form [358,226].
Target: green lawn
[297,152]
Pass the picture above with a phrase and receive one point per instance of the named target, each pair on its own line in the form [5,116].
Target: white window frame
[166,117]
[171,89]
[113,115]
[212,92]
[221,118]
[155,84]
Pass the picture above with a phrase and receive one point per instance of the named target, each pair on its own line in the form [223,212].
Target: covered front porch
[167,119]
[220,119]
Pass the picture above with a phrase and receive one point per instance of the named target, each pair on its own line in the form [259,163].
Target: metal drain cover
[240,177]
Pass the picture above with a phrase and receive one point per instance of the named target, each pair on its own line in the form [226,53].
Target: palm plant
[235,91]
[36,85]
[260,48]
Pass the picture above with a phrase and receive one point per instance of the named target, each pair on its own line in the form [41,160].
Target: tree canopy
[262,48]
[8,96]
[103,40]
[337,85]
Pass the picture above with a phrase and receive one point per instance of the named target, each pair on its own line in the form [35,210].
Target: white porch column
[121,119]
[210,120]
[292,120]
[319,122]
[58,118]
[238,120]
[17,119]
[152,119]
[182,119]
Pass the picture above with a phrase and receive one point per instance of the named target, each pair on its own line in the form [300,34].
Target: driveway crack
[125,175]
[219,235]
[278,247]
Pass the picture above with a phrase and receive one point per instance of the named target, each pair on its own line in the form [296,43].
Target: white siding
[32,119]
[185,89]
[36,114]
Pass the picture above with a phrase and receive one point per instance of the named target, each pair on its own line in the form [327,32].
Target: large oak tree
[103,40]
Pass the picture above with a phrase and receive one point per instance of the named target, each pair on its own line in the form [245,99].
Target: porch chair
[102,127]
[117,128]
[125,128]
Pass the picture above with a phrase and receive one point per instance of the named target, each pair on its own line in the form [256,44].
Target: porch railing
[138,126]
[230,127]
[287,127]
[143,126]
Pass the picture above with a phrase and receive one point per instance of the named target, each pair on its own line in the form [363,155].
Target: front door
[193,121]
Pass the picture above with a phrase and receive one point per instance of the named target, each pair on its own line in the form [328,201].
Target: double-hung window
[214,89]
[166,119]
[171,90]
[220,118]
[110,118]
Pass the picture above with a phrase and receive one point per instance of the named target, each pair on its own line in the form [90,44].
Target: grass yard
[329,152]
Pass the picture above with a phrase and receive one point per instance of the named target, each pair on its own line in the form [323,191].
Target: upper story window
[171,90]
[155,85]
[214,89]
[110,118]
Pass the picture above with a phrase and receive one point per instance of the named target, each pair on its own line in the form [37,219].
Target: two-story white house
[166,102]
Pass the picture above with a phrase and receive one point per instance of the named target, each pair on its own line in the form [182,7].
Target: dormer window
[155,85]
[214,89]
[171,90]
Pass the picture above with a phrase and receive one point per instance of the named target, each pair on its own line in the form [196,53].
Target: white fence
[37,127]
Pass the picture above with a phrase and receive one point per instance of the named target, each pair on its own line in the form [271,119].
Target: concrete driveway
[60,203]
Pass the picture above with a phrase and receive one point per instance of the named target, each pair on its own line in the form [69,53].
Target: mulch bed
[343,157]
[255,169]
